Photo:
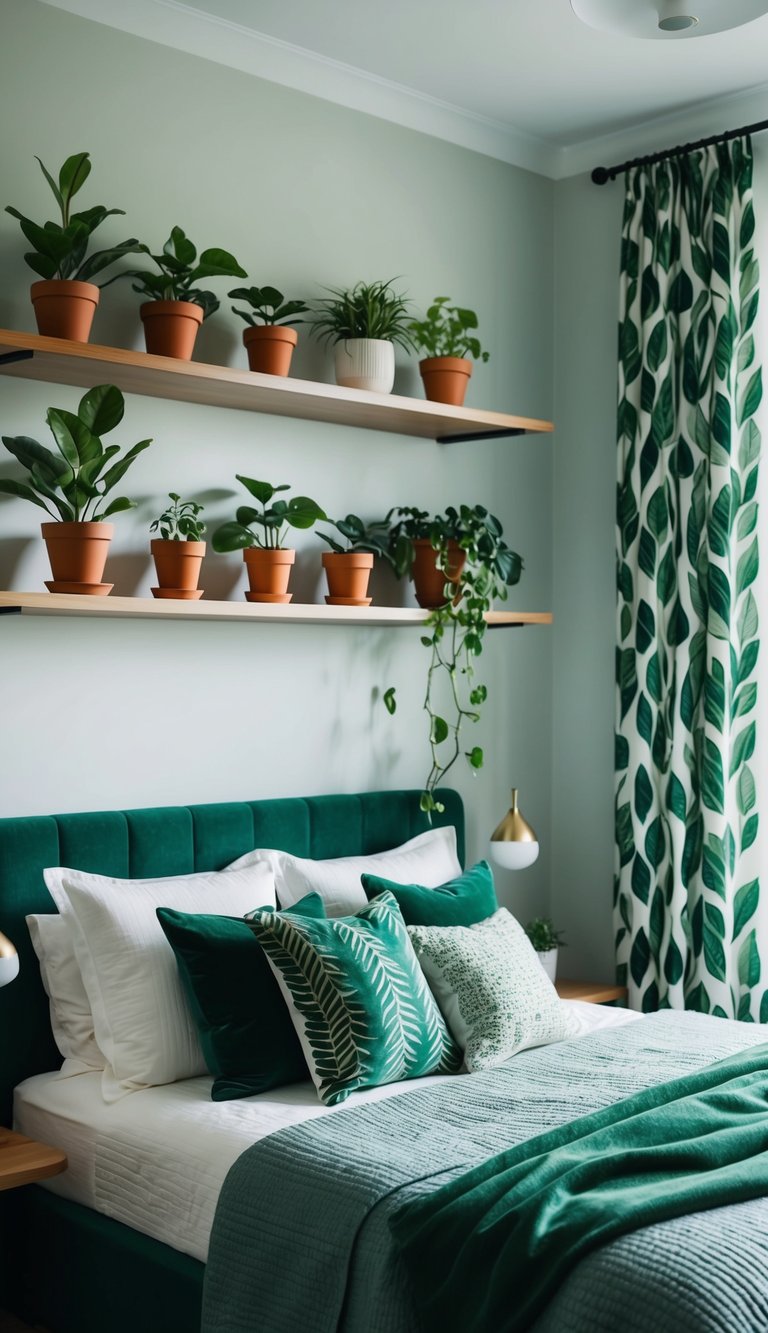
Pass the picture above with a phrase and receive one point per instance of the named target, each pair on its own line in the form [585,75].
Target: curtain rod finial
[600,176]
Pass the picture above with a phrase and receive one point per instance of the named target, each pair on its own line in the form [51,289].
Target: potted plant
[425,548]
[456,628]
[546,941]
[177,307]
[267,560]
[447,337]
[364,322]
[65,300]
[178,551]
[348,565]
[269,344]
[73,486]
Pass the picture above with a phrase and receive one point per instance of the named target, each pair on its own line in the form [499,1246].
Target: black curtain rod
[601,175]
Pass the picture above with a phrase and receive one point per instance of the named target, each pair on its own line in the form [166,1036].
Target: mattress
[156,1159]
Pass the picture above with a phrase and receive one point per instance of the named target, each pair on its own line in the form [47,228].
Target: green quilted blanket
[517,1224]
[302,1241]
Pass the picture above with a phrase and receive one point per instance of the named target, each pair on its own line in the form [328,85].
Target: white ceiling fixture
[667,20]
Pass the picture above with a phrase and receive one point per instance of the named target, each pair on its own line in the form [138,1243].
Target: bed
[324,1186]
[66,1266]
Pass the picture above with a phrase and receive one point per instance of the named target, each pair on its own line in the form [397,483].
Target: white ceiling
[524,80]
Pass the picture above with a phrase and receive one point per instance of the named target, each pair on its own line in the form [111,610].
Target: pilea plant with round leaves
[73,485]
[268,306]
[271,522]
[456,630]
[61,248]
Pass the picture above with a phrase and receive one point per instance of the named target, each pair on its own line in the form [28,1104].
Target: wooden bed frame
[63,1265]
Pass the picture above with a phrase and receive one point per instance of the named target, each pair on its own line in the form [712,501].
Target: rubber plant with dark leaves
[60,252]
[72,486]
[60,248]
[456,630]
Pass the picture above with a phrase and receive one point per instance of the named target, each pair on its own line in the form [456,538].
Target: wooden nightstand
[591,991]
[24,1160]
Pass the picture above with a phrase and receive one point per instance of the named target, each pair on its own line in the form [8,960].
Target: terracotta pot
[348,574]
[445,379]
[78,554]
[429,581]
[170,327]
[268,574]
[270,348]
[65,308]
[178,567]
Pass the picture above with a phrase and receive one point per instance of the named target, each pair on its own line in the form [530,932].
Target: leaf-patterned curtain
[691,926]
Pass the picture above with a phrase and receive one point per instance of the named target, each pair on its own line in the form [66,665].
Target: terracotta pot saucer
[278,597]
[179,594]
[348,601]
[89,589]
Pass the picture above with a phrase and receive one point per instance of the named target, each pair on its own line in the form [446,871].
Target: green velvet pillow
[463,901]
[362,1008]
[248,1039]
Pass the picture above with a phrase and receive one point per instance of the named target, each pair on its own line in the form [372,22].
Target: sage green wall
[306,194]
[587,235]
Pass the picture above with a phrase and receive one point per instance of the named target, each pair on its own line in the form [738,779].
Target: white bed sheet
[156,1160]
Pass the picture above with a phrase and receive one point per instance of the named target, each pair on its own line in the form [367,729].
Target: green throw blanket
[489,1249]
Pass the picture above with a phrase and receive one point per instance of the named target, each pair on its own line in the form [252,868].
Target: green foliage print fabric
[358,997]
[690,928]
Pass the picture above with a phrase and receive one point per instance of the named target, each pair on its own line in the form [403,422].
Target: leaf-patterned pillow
[493,992]
[358,998]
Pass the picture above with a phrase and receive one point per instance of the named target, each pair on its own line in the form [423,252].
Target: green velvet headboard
[174,840]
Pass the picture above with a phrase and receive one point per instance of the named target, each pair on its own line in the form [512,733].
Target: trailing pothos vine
[455,630]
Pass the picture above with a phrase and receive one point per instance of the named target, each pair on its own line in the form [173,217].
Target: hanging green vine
[455,630]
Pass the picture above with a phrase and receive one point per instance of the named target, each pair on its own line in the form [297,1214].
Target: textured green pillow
[362,1008]
[462,901]
[246,1032]
[492,990]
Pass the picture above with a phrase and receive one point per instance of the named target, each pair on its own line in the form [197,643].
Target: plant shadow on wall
[461,565]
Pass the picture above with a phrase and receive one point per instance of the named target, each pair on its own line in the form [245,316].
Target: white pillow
[491,988]
[428,859]
[141,1018]
[71,1017]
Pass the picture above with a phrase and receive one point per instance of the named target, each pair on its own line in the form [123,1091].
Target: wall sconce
[514,844]
[9,961]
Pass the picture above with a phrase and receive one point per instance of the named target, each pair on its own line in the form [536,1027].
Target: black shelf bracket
[8,358]
[480,435]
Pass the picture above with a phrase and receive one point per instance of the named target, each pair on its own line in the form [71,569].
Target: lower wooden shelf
[294,613]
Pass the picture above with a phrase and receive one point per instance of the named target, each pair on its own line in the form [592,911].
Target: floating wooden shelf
[58,361]
[294,613]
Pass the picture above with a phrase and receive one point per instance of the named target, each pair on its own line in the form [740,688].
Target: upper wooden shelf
[59,361]
[293,613]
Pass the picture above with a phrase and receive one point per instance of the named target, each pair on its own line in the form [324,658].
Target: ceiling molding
[698,121]
[181,26]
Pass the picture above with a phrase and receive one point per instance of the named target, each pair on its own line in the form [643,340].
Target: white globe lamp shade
[9,961]
[514,844]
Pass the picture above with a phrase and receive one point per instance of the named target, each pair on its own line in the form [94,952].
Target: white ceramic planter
[548,960]
[366,363]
